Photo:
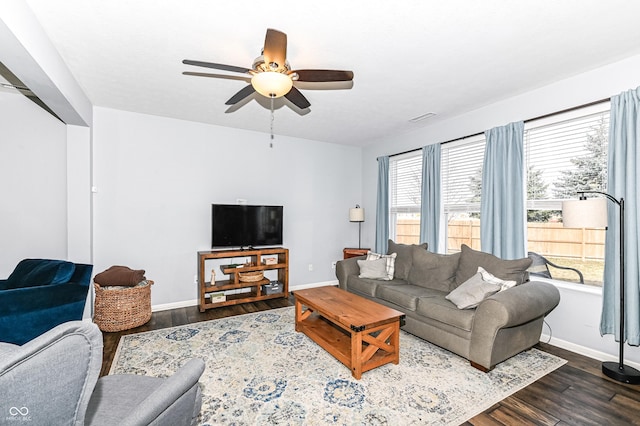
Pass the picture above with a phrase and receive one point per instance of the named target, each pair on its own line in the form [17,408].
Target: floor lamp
[592,213]
[357,215]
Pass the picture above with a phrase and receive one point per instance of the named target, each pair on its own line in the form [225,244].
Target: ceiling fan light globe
[272,84]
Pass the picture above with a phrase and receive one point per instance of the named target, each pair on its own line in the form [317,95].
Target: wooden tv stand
[254,290]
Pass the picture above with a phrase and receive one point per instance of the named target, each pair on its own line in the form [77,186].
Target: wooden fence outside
[548,239]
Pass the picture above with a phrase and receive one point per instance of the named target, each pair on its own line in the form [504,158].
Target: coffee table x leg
[365,344]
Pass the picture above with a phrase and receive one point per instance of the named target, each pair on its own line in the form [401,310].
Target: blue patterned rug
[260,371]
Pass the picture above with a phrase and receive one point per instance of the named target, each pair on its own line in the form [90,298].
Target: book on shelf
[216,297]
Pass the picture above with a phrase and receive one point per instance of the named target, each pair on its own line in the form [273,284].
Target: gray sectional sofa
[502,325]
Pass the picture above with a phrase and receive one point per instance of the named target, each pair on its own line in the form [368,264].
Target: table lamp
[357,215]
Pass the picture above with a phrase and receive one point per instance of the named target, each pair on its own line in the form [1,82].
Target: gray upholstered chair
[53,379]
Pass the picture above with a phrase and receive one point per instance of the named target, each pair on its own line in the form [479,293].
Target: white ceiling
[409,57]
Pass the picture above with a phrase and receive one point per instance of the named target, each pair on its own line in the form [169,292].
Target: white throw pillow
[390,260]
[470,293]
[490,278]
[374,269]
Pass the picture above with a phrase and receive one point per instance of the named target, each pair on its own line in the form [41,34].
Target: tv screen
[238,225]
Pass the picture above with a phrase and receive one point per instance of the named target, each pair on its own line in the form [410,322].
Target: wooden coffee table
[358,332]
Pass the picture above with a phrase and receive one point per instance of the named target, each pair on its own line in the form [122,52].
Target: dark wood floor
[575,394]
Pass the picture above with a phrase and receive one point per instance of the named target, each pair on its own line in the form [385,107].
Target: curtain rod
[526,121]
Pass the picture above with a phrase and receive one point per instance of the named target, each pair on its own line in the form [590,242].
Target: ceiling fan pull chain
[272,119]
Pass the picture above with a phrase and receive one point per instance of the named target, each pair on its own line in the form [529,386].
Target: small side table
[353,252]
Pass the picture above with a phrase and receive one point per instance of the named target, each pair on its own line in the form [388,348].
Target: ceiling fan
[271,74]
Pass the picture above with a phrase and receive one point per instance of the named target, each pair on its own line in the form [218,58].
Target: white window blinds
[405,176]
[462,174]
[565,156]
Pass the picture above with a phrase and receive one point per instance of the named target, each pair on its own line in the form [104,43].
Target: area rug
[260,371]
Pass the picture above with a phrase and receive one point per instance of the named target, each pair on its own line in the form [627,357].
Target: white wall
[156,179]
[574,322]
[575,325]
[79,214]
[33,188]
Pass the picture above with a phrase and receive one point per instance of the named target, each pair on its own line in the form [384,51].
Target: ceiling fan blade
[323,75]
[243,93]
[275,49]
[225,76]
[324,85]
[223,67]
[297,98]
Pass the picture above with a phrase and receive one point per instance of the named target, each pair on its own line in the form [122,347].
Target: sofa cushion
[373,269]
[37,272]
[435,271]
[442,310]
[490,278]
[366,286]
[470,259]
[473,291]
[404,295]
[389,258]
[404,260]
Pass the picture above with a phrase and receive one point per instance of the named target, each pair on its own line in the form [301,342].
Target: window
[461,164]
[461,170]
[405,180]
[566,153]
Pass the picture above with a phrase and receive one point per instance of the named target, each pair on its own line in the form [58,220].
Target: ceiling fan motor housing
[259,65]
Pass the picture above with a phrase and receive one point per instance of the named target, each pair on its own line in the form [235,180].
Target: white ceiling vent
[422,117]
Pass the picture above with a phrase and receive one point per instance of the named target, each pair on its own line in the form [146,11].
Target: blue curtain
[623,182]
[382,206]
[502,208]
[430,208]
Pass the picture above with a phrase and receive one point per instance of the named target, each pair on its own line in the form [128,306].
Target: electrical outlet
[333,265]
[310,267]
[195,279]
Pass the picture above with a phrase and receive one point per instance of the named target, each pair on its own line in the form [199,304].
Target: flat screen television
[241,225]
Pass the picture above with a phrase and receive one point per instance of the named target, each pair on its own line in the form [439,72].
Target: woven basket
[122,308]
[250,277]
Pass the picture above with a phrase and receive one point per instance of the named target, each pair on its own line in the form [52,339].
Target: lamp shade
[589,213]
[272,84]
[356,214]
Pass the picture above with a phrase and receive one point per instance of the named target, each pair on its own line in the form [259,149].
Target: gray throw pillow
[390,260]
[470,293]
[374,269]
[405,257]
[470,259]
[434,271]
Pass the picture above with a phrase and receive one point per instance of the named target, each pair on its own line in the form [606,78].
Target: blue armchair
[39,295]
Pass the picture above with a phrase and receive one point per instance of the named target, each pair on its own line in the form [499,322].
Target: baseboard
[313,285]
[583,350]
[174,305]
[194,302]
